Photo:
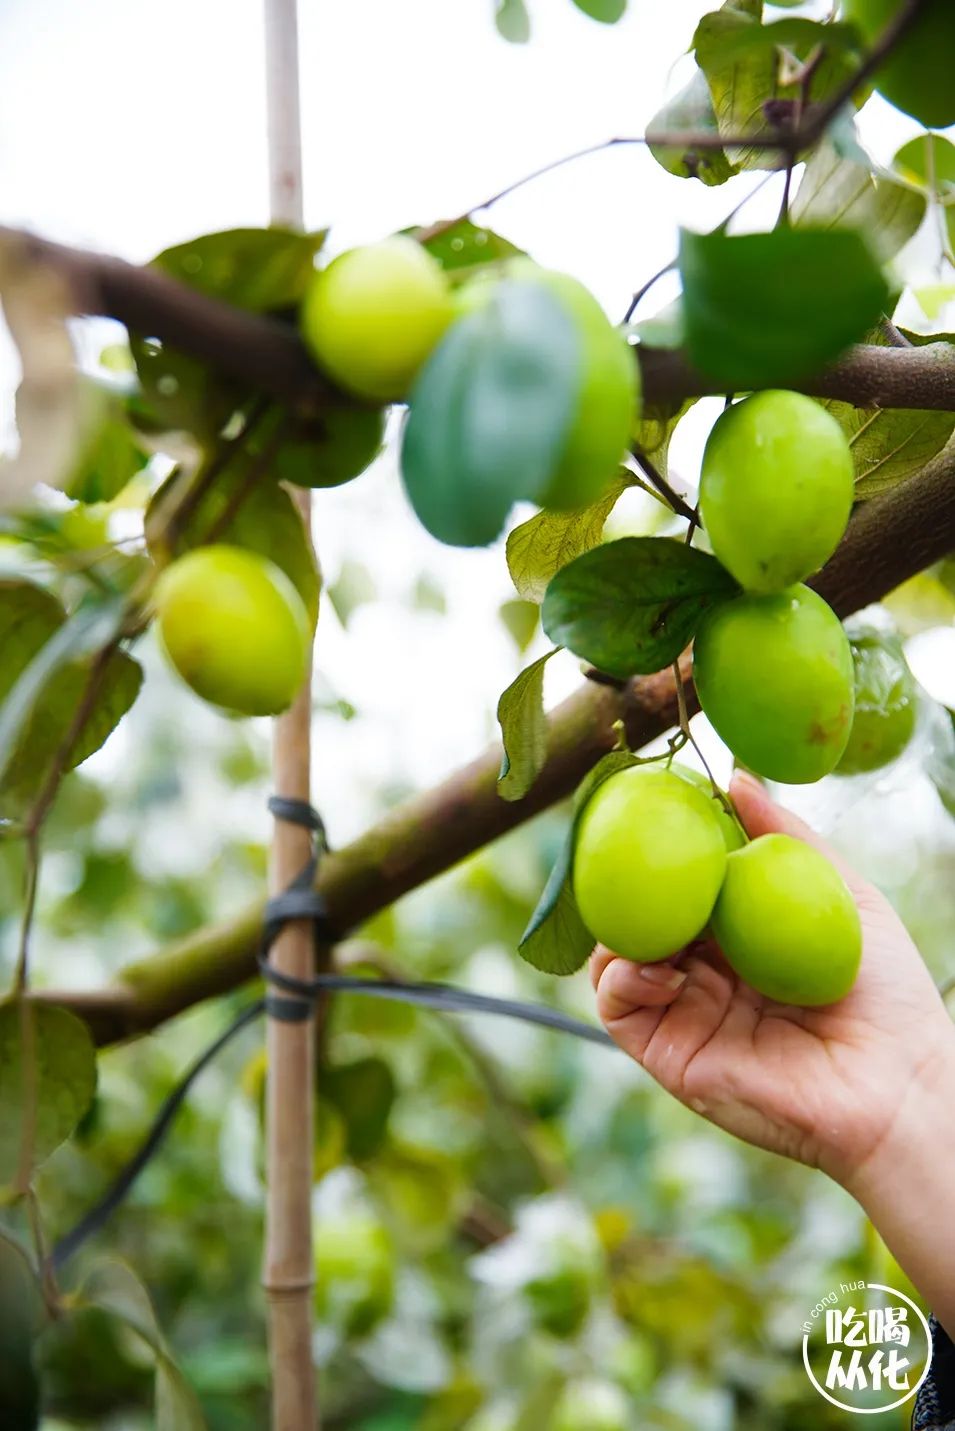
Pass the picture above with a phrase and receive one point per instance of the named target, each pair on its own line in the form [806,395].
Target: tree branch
[269,357]
[889,539]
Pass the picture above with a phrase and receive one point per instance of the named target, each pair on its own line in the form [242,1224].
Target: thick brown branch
[889,539]
[268,356]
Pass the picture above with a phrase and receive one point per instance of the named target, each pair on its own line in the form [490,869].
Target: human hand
[844,1087]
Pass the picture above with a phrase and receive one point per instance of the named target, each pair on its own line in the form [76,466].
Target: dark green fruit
[885,701]
[787,923]
[775,489]
[338,446]
[774,677]
[919,75]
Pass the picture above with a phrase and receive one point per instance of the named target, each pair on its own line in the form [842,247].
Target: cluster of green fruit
[775,672]
[658,859]
[772,666]
[230,621]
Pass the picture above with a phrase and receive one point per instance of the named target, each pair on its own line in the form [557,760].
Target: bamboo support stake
[288,1272]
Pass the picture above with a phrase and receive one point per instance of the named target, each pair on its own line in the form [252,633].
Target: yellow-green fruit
[649,857]
[787,923]
[235,629]
[774,677]
[885,701]
[608,395]
[918,75]
[354,1272]
[372,317]
[732,833]
[776,489]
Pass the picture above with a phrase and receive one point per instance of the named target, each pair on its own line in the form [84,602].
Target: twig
[673,499]
[787,140]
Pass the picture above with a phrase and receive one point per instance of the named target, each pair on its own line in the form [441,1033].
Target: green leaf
[556,939]
[608,12]
[115,1289]
[179,394]
[467,246]
[657,424]
[690,110]
[47,1080]
[666,329]
[364,1093]
[353,587]
[261,270]
[21,1318]
[838,193]
[489,412]
[43,679]
[258,269]
[513,21]
[765,309]
[631,606]
[739,87]
[520,618]
[725,37]
[890,444]
[539,547]
[929,161]
[110,454]
[743,61]
[520,713]
[265,520]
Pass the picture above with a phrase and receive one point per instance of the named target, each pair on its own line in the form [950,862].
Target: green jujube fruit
[649,858]
[787,923]
[733,836]
[774,676]
[372,317]
[776,489]
[235,628]
[338,445]
[608,400]
[885,701]
[918,77]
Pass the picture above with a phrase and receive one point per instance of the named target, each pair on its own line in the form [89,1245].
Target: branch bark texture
[269,357]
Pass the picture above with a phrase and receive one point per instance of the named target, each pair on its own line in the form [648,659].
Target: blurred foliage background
[515,1230]
[512,1226]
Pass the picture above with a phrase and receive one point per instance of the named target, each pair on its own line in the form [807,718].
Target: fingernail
[663,975]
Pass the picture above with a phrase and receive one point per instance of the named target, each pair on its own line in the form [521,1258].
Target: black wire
[444,998]
[101,1211]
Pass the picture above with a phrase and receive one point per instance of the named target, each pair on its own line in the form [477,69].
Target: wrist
[916,1153]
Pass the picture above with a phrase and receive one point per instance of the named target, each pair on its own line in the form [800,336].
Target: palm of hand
[822,1085]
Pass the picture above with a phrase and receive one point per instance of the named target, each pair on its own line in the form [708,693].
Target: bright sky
[127,126]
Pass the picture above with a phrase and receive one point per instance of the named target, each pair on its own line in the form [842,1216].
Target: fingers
[623,986]
[633,998]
